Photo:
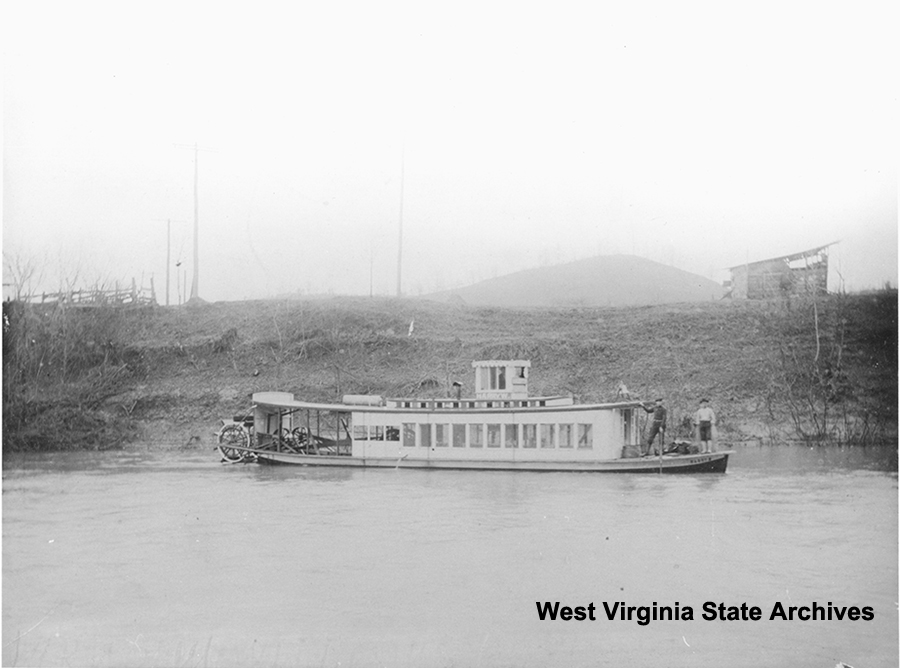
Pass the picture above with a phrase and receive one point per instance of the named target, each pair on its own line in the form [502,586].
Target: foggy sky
[697,134]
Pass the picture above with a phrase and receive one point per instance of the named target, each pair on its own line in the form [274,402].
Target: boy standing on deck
[657,424]
[705,422]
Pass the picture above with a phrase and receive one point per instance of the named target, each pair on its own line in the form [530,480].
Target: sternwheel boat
[500,428]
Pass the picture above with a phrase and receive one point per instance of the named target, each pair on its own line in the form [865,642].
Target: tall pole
[168,255]
[400,239]
[195,288]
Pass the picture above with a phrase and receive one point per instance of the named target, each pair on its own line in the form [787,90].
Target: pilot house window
[498,378]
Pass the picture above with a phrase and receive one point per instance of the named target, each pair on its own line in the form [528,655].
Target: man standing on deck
[705,423]
[657,424]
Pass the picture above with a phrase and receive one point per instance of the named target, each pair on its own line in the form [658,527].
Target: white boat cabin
[500,423]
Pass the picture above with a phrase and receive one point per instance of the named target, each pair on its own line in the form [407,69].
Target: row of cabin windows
[473,404]
[482,435]
[498,435]
[375,433]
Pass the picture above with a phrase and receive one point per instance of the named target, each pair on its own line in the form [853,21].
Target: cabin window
[498,378]
[626,424]
[511,435]
[547,435]
[376,433]
[476,435]
[409,435]
[529,435]
[565,436]
[493,435]
[520,372]
[441,435]
[360,432]
[585,437]
[425,435]
[392,433]
[459,435]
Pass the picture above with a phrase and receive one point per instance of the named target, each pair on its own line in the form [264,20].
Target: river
[144,558]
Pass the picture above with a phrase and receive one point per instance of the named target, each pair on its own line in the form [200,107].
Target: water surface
[171,559]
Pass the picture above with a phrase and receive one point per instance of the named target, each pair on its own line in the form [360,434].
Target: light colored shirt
[705,414]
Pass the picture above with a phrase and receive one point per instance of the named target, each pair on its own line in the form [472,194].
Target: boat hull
[699,463]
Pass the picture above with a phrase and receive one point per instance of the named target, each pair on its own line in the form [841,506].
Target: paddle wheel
[235,434]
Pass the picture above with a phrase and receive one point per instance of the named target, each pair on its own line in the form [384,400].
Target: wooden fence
[116,296]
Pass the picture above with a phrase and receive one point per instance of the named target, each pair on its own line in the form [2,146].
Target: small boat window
[423,404]
[547,435]
[476,435]
[565,436]
[459,435]
[360,432]
[493,435]
[585,436]
[529,435]
[511,435]
[409,435]
[391,433]
[425,435]
[376,433]
[441,435]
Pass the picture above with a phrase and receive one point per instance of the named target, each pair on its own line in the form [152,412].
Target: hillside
[166,375]
[609,280]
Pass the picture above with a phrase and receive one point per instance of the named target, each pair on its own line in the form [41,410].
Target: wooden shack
[802,273]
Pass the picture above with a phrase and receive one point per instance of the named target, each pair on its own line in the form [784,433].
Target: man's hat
[704,401]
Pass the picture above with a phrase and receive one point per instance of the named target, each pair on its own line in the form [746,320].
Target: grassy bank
[823,371]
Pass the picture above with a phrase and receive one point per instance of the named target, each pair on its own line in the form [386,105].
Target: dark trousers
[655,428]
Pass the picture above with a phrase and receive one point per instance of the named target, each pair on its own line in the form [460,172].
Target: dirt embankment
[824,370]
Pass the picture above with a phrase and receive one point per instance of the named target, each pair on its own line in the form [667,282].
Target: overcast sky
[697,134]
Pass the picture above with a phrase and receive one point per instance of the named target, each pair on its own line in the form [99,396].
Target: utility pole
[169,253]
[400,239]
[195,288]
